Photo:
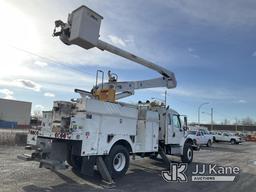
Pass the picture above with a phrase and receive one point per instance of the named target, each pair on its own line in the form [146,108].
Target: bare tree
[225,122]
[247,121]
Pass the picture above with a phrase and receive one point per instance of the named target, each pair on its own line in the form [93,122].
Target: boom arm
[82,29]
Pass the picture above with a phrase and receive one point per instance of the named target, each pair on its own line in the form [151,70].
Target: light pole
[211,114]
[199,108]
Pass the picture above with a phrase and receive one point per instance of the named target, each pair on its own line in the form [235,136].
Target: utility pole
[199,108]
[211,119]
[236,124]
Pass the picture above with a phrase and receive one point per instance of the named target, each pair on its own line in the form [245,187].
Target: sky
[209,45]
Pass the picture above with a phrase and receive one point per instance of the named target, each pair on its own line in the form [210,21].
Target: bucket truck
[97,128]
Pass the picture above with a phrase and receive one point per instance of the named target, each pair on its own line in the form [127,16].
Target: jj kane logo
[200,172]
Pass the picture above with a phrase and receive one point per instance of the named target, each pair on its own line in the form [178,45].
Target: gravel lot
[143,175]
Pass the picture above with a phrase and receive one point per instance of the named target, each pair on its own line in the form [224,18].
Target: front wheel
[233,141]
[117,161]
[187,156]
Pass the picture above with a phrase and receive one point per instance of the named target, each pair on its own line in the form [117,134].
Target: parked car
[213,133]
[227,137]
[200,137]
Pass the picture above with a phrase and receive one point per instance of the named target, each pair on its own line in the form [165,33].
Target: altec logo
[201,172]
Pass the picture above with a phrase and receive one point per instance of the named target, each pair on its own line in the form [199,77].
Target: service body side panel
[147,131]
[106,123]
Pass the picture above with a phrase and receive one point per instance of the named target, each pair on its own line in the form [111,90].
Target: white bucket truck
[97,129]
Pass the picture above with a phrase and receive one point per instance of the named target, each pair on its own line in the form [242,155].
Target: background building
[14,114]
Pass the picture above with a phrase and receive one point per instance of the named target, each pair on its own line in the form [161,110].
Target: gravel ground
[143,175]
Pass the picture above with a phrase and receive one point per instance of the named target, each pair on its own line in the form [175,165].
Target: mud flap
[88,165]
[57,156]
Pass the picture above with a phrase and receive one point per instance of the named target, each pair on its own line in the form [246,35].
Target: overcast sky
[209,45]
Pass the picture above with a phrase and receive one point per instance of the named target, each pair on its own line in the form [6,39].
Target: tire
[117,161]
[153,156]
[214,140]
[187,156]
[233,141]
[209,143]
[76,162]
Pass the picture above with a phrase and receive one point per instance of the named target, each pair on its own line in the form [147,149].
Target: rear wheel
[187,156]
[117,161]
[209,143]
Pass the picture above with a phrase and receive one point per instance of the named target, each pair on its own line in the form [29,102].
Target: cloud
[8,94]
[39,107]
[241,101]
[27,84]
[198,93]
[191,52]
[48,94]
[228,13]
[117,40]
[41,64]
[254,54]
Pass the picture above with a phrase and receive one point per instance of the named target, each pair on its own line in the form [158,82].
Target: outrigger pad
[103,170]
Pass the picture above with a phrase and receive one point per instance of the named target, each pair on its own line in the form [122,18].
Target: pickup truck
[200,137]
[227,137]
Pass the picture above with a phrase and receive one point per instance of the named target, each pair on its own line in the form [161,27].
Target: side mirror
[185,127]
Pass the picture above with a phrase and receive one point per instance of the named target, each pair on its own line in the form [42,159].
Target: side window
[170,119]
[176,121]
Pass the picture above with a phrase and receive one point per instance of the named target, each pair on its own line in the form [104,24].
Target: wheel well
[125,144]
[189,141]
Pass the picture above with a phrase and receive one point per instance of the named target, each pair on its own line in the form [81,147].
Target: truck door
[225,137]
[204,138]
[175,131]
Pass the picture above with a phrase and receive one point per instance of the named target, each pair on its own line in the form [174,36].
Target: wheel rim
[189,154]
[119,162]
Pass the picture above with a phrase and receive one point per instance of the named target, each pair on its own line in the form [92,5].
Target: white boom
[82,29]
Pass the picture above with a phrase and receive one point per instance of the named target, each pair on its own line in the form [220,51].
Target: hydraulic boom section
[82,29]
